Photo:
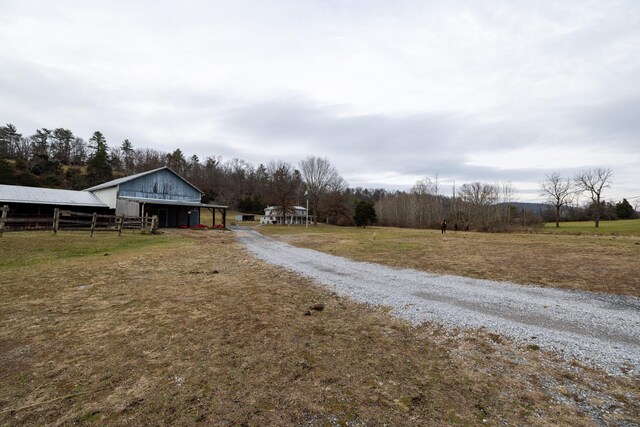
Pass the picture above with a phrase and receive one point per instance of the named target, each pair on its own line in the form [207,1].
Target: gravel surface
[600,329]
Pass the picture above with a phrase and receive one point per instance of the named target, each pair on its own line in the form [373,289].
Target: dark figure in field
[455,227]
[443,227]
[466,228]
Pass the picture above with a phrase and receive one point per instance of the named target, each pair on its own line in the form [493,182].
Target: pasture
[600,263]
[628,227]
[185,328]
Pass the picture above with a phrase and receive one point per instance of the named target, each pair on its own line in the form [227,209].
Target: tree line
[57,158]
[563,192]
[473,206]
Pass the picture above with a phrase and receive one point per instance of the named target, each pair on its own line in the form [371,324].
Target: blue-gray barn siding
[160,185]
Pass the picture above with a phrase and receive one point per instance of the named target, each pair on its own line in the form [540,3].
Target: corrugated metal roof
[171,202]
[118,181]
[48,196]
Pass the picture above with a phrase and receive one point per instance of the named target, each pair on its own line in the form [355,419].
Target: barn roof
[48,196]
[119,181]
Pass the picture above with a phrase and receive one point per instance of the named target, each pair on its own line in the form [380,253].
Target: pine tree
[98,167]
[365,214]
[624,210]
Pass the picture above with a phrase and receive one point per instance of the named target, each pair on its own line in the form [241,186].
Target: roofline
[138,175]
[171,202]
[52,203]
[96,202]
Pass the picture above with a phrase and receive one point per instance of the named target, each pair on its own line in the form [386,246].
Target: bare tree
[558,192]
[318,176]
[423,202]
[592,182]
[479,198]
[335,204]
[283,180]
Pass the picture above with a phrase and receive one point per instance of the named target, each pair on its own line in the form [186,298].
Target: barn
[160,192]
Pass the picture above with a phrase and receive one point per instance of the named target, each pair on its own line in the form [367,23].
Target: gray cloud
[389,93]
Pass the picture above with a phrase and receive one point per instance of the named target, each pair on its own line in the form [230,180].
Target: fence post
[56,220]
[3,218]
[154,224]
[120,225]
[94,219]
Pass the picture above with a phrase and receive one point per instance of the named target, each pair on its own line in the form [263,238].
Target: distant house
[274,215]
[160,192]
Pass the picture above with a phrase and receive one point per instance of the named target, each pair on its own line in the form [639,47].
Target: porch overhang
[220,208]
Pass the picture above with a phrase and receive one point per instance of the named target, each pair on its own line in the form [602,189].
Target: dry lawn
[586,262]
[187,329]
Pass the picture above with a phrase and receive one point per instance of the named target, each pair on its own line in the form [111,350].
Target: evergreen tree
[98,167]
[365,214]
[61,141]
[624,210]
[127,157]
[9,139]
[40,142]
[176,161]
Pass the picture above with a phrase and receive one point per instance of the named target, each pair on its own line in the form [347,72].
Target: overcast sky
[389,91]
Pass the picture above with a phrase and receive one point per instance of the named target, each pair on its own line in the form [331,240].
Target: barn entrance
[163,217]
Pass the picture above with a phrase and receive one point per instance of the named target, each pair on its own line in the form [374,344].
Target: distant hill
[536,208]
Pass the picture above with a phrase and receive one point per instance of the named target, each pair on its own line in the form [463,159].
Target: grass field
[604,263]
[186,328]
[630,227]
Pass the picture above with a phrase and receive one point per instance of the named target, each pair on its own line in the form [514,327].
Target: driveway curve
[600,329]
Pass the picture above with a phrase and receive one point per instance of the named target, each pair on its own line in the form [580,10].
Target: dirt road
[600,329]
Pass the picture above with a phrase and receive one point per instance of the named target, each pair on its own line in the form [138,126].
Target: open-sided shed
[42,201]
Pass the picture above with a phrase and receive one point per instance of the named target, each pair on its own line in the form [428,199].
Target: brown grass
[196,331]
[591,263]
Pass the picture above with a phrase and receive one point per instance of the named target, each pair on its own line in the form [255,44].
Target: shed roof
[171,202]
[298,208]
[119,181]
[48,196]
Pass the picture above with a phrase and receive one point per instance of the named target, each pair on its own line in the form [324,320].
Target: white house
[273,215]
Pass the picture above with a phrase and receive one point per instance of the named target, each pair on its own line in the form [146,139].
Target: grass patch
[604,263]
[630,227]
[29,249]
[201,333]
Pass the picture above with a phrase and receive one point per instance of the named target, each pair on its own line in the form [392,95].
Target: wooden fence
[76,221]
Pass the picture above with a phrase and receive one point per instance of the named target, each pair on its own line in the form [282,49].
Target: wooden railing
[76,221]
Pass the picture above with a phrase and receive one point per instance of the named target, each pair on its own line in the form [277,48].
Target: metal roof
[171,202]
[119,181]
[48,196]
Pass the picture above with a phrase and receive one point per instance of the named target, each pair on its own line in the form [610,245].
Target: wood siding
[160,185]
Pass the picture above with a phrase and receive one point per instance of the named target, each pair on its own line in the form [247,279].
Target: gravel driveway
[600,329]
